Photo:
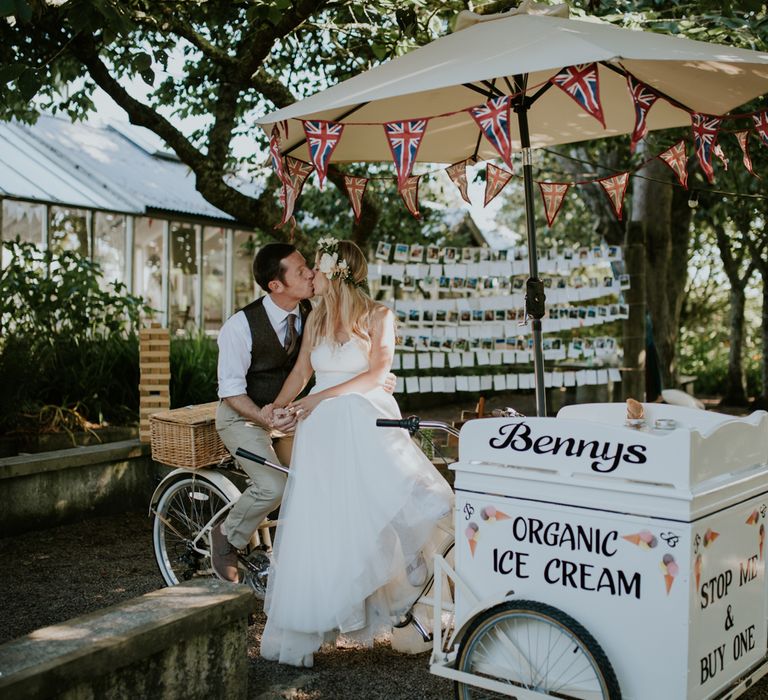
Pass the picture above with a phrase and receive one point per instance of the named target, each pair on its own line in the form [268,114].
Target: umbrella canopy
[438,79]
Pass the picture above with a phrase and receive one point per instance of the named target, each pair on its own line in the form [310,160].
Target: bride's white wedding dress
[360,505]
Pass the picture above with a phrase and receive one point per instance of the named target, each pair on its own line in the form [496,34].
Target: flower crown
[330,264]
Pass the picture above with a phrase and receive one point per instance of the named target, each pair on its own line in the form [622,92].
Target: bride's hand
[303,407]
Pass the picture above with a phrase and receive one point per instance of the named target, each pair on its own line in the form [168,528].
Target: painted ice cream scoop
[697,570]
[761,535]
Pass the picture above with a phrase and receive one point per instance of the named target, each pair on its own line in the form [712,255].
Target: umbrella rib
[301,142]
[623,71]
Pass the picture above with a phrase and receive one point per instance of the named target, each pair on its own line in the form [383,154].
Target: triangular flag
[643,98]
[718,151]
[705,128]
[274,152]
[296,173]
[553,194]
[410,194]
[761,125]
[322,139]
[583,85]
[743,138]
[355,187]
[495,180]
[493,120]
[615,187]
[404,139]
[676,159]
[458,174]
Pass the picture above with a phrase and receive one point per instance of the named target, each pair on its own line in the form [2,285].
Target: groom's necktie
[291,335]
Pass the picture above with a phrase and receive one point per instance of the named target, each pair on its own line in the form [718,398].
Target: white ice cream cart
[599,560]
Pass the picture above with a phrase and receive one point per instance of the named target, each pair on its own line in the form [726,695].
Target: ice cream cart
[601,558]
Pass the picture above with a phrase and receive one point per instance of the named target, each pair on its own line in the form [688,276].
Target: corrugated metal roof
[84,165]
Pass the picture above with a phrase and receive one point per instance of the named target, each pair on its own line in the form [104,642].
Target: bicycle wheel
[531,645]
[183,510]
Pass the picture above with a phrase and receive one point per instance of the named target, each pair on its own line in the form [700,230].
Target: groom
[258,347]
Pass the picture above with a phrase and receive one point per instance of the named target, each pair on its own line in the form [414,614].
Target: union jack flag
[493,120]
[296,173]
[761,126]
[676,158]
[553,194]
[322,139]
[458,174]
[410,194]
[705,128]
[274,152]
[643,98]
[496,180]
[743,138]
[583,85]
[404,139]
[615,187]
[355,187]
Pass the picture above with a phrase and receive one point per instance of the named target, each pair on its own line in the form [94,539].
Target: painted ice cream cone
[762,539]
[710,536]
[634,539]
[697,570]
[668,581]
[501,516]
[471,533]
[753,516]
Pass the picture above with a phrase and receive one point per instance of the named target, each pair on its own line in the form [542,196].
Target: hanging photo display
[475,314]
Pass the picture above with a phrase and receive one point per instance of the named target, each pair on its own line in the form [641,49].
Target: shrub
[193,369]
[67,340]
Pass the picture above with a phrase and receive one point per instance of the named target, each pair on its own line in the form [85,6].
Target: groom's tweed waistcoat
[270,363]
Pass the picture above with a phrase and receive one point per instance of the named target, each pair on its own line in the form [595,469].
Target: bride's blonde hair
[345,306]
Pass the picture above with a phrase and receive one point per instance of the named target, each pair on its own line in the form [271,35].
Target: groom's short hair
[267,265]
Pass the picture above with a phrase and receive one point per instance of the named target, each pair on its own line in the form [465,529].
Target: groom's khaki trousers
[265,491]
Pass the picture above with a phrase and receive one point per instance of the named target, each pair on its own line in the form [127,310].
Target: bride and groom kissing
[361,505]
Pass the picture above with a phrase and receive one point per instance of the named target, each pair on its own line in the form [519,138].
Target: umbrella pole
[534,288]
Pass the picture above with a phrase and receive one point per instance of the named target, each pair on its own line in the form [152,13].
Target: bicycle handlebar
[413,423]
[241,452]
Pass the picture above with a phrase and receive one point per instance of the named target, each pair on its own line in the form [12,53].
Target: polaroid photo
[499,315]
[614,252]
[450,255]
[433,254]
[444,282]
[602,311]
[488,315]
[383,249]
[477,315]
[504,282]
[573,312]
[453,317]
[408,284]
[597,252]
[401,252]
[594,283]
[568,254]
[607,281]
[422,342]
[447,344]
[484,254]
[401,315]
[518,283]
[385,282]
[414,315]
[428,316]
[435,343]
[471,283]
[417,253]
[624,281]
[591,312]
[465,316]
[441,316]
[467,255]
[583,252]
[457,283]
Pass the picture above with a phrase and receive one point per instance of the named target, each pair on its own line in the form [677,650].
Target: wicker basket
[187,437]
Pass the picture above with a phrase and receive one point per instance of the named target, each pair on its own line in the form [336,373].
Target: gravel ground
[50,576]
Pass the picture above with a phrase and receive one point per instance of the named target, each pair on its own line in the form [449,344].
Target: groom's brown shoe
[223,556]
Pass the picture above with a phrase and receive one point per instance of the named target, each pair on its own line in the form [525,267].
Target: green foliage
[65,341]
[193,369]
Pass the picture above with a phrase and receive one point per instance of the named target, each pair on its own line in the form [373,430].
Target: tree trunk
[762,399]
[735,393]
[666,216]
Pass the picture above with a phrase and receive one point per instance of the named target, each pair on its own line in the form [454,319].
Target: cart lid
[679,447]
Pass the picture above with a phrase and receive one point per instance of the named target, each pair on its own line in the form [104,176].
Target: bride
[358,521]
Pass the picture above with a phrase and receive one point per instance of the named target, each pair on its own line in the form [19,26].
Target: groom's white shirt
[235,346]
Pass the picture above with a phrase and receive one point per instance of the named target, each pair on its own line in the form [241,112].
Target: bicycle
[186,505]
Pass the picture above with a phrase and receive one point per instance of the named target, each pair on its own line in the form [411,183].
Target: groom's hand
[390,382]
[283,420]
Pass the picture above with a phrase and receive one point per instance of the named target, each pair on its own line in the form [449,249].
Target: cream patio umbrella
[518,54]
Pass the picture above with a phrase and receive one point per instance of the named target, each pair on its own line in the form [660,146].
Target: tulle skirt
[360,504]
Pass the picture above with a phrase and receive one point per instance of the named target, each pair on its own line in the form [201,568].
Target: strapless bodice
[335,363]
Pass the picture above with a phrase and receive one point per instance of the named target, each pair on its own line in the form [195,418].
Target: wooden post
[154,384]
